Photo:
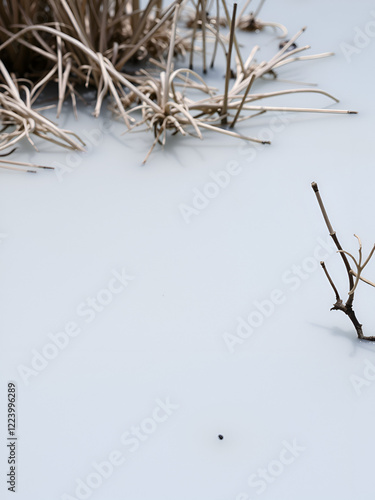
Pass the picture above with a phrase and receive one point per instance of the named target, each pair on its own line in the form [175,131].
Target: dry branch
[340,305]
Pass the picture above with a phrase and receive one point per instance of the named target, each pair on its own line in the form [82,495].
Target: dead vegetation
[128,52]
[354,275]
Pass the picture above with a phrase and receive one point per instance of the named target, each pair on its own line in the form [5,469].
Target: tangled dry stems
[128,52]
[251,22]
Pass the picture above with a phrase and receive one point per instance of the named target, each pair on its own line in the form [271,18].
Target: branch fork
[340,305]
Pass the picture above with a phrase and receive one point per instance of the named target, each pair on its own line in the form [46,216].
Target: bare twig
[339,305]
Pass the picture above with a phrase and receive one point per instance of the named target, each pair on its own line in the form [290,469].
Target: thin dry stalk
[224,119]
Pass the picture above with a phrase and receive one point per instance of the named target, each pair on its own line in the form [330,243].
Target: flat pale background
[162,337]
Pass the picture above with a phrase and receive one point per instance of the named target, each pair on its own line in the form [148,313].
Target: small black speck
[220,436]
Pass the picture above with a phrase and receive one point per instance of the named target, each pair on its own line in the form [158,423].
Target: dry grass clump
[251,22]
[17,113]
[126,51]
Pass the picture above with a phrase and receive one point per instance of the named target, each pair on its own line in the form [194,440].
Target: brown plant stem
[217,35]
[339,305]
[333,235]
[230,21]
[252,78]
[204,21]
[224,120]
[338,298]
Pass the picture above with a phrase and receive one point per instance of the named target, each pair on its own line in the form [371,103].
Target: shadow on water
[350,337]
